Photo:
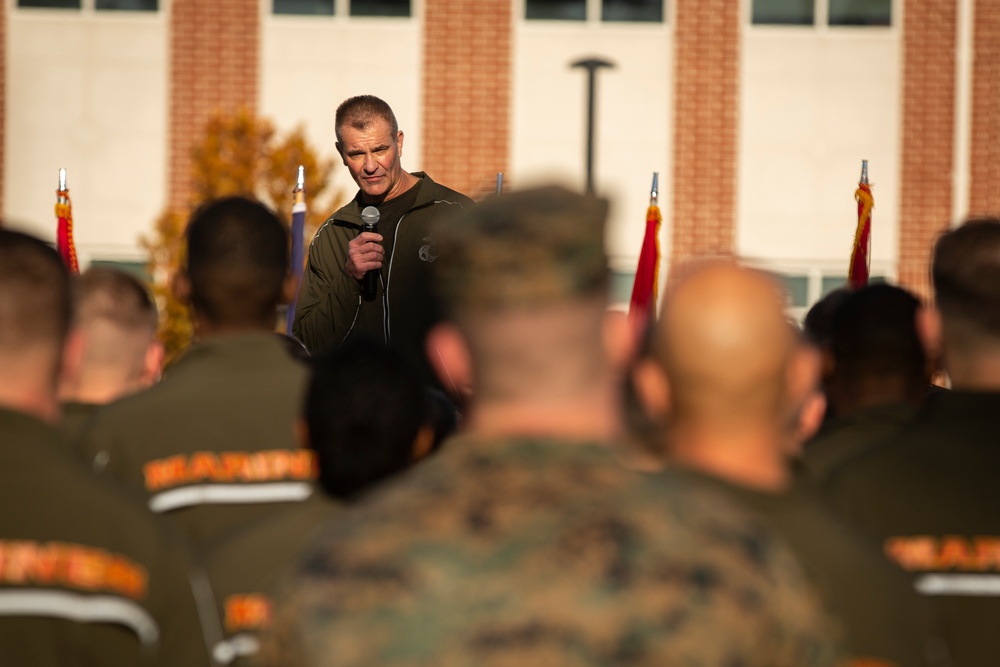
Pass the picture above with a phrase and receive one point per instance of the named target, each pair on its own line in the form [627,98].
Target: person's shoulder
[440,194]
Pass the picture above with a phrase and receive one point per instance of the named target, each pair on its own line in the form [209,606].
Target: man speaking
[336,303]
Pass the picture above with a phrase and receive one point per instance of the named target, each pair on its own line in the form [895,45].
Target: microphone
[369,286]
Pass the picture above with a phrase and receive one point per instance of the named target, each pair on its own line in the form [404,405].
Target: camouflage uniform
[546,552]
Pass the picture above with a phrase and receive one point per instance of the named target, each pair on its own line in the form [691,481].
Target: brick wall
[466,92]
[929,42]
[984,168]
[706,99]
[214,54]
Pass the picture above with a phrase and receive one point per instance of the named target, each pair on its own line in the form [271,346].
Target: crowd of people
[483,465]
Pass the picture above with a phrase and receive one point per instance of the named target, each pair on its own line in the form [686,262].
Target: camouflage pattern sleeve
[534,553]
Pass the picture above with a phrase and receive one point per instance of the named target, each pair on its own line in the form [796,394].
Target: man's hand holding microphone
[365,254]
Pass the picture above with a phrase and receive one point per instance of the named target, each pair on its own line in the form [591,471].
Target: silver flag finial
[62,178]
[499,182]
[300,182]
[654,192]
[864,172]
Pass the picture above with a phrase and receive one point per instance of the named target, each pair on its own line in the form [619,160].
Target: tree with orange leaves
[239,154]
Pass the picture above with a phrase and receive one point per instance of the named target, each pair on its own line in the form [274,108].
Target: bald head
[724,343]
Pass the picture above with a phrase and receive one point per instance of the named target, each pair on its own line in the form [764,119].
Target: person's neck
[27,398]
[868,392]
[206,329]
[99,388]
[749,456]
[590,417]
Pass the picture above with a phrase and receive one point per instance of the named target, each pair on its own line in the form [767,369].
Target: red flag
[64,231]
[643,302]
[857,274]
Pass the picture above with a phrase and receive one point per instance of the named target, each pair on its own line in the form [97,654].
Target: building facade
[755,113]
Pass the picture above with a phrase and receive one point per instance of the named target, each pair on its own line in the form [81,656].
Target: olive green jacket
[212,444]
[330,310]
[87,575]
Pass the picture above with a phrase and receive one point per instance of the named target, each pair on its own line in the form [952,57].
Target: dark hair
[966,274]
[35,293]
[237,260]
[364,408]
[360,111]
[874,332]
[819,320]
[106,293]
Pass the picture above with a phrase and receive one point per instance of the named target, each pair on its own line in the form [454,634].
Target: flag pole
[64,225]
[298,242]
[859,267]
[642,305]
[499,182]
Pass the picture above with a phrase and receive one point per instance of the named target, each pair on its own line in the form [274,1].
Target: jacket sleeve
[329,298]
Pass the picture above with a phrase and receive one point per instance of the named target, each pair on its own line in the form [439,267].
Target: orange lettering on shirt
[204,465]
[72,566]
[951,552]
[247,611]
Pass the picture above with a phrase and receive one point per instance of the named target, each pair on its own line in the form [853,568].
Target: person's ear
[180,285]
[289,288]
[399,143]
[929,331]
[619,342]
[652,388]
[803,374]
[152,363]
[71,360]
[449,355]
[340,150]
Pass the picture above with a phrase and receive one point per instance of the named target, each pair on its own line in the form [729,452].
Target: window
[839,12]
[783,12]
[380,7]
[632,10]
[128,5]
[309,7]
[560,10]
[860,12]
[642,11]
[51,4]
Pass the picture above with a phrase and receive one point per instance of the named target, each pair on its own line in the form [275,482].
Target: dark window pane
[620,286]
[560,10]
[380,7]
[860,12]
[831,283]
[632,10]
[783,12]
[312,7]
[129,5]
[798,289]
[55,4]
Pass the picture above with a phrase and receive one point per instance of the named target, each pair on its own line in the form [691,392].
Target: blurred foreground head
[875,356]
[966,276]
[523,282]
[367,417]
[116,319]
[35,313]
[236,270]
[729,376]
